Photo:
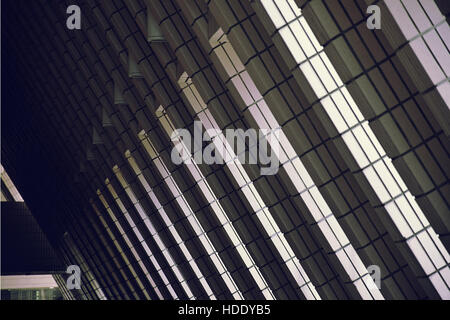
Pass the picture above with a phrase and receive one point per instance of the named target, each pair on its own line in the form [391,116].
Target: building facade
[358,207]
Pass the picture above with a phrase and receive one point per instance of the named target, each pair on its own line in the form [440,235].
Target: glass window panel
[310,34]
[416,209]
[374,139]
[268,227]
[431,250]
[343,240]
[275,15]
[445,273]
[376,184]
[366,144]
[227,64]
[323,73]
[332,240]
[290,170]
[292,44]
[428,62]
[334,114]
[401,16]
[351,271]
[432,11]
[239,67]
[312,207]
[280,247]
[242,90]
[285,9]
[417,14]
[421,255]
[441,287]
[352,103]
[331,69]
[303,173]
[313,79]
[305,43]
[344,108]
[256,95]
[439,50]
[355,149]
[320,201]
[387,178]
[362,289]
[409,214]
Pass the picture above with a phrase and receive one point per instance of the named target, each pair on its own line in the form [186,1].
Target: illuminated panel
[111,254]
[170,226]
[216,206]
[189,213]
[119,248]
[165,252]
[290,161]
[141,239]
[247,187]
[84,267]
[28,281]
[10,185]
[363,145]
[425,29]
[128,242]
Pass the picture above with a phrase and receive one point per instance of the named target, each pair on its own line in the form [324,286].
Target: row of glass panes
[70,258]
[365,148]
[112,257]
[129,244]
[170,226]
[83,266]
[317,206]
[119,248]
[67,294]
[391,190]
[165,252]
[248,188]
[82,263]
[217,208]
[188,212]
[141,239]
[424,26]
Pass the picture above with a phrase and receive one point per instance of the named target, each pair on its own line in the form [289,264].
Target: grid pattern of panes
[112,256]
[119,249]
[358,136]
[170,226]
[388,74]
[138,234]
[190,215]
[86,272]
[198,176]
[128,242]
[245,183]
[167,255]
[290,161]
[425,30]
